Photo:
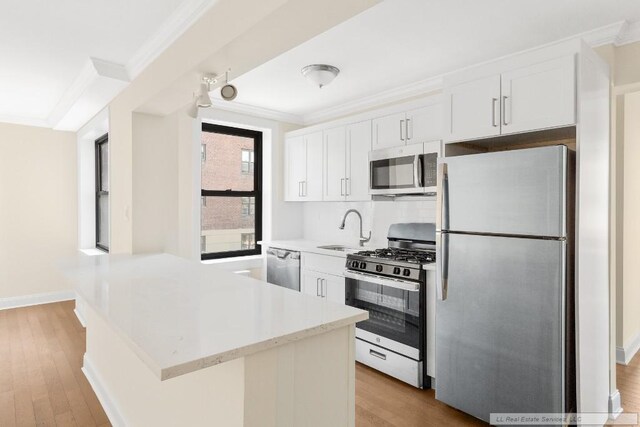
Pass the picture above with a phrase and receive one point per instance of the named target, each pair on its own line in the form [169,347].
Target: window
[231,207]
[247,240]
[247,161]
[248,206]
[102,193]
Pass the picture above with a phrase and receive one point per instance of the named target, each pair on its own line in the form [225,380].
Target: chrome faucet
[363,239]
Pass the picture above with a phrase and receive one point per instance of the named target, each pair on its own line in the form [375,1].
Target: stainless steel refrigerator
[504,315]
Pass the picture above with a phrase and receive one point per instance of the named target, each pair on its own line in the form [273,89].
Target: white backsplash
[321,219]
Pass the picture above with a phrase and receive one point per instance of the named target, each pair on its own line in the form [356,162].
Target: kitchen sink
[340,248]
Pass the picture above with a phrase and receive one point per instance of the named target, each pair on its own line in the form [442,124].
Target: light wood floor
[41,383]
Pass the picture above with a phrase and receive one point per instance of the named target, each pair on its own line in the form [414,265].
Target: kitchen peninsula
[176,342]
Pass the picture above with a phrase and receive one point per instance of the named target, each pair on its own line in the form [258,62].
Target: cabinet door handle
[304,188]
[504,110]
[347,187]
[493,112]
[378,354]
[299,188]
[401,127]
[407,130]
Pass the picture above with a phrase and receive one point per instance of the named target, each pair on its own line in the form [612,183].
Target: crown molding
[185,16]
[619,34]
[92,72]
[396,94]
[630,33]
[603,35]
[252,110]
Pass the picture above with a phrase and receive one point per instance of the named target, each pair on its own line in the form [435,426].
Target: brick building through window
[231,220]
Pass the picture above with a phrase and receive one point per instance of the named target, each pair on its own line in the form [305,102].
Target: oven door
[396,311]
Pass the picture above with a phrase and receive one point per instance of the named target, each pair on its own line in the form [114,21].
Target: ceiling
[57,55]
[400,42]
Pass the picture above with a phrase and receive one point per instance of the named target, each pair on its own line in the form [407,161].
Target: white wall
[321,219]
[155,184]
[38,208]
[166,183]
[630,298]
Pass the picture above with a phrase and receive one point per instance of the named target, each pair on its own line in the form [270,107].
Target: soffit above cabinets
[401,48]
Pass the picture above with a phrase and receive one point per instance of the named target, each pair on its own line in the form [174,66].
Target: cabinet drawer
[323,263]
[390,363]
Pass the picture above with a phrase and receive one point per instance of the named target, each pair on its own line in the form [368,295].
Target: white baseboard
[626,353]
[80,317]
[615,405]
[27,300]
[108,405]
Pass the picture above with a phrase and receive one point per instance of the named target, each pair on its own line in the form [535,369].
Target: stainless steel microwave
[409,169]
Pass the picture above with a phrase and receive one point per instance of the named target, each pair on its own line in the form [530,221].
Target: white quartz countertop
[312,246]
[180,316]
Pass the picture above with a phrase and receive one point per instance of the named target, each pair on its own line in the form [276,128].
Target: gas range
[392,262]
[391,284]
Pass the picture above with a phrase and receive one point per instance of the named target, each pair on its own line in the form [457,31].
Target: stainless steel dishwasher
[283,268]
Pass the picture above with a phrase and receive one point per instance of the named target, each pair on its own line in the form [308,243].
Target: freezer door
[521,192]
[500,331]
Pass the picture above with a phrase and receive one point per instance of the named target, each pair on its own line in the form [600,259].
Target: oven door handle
[383,281]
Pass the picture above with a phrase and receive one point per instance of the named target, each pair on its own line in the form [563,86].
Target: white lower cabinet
[322,276]
[323,285]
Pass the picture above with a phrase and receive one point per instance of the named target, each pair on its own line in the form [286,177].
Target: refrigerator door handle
[441,198]
[442,265]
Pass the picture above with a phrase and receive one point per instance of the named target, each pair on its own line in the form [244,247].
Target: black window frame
[104,139]
[256,193]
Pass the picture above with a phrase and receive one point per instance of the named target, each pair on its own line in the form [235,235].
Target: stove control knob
[354,264]
[396,270]
[406,272]
[363,265]
[378,268]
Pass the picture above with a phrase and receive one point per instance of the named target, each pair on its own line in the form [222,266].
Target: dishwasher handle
[283,254]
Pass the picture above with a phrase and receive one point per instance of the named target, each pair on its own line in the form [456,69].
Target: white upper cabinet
[389,131]
[303,159]
[528,98]
[296,167]
[358,147]
[539,96]
[312,190]
[332,164]
[475,109]
[335,164]
[346,151]
[424,124]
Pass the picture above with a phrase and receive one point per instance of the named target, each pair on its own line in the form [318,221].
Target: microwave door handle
[416,171]
[421,171]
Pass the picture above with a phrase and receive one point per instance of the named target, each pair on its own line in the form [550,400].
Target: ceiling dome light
[320,74]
